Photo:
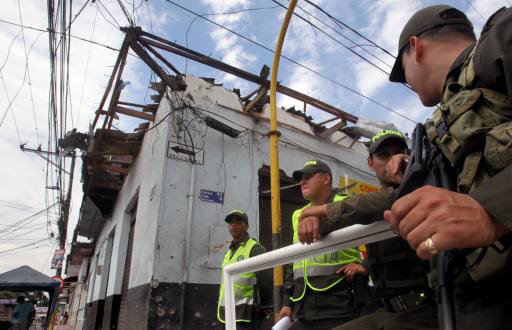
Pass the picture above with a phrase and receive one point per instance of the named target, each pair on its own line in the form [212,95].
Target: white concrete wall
[142,187]
[231,166]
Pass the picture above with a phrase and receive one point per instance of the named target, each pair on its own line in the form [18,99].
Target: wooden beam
[134,113]
[261,93]
[122,54]
[172,47]
[328,121]
[103,112]
[145,107]
[328,132]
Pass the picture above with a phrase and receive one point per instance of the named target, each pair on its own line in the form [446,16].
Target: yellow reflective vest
[316,272]
[243,286]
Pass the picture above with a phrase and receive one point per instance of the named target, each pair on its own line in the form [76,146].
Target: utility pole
[68,144]
[63,222]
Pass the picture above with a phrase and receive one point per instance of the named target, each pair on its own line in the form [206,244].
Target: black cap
[312,166]
[237,213]
[386,135]
[425,19]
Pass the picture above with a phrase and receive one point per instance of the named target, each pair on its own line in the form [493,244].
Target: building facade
[157,224]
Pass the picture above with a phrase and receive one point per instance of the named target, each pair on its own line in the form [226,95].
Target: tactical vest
[473,129]
[392,264]
[243,285]
[319,273]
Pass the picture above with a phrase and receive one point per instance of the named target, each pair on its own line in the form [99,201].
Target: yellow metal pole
[274,161]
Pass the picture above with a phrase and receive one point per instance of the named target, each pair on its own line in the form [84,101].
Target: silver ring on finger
[431,248]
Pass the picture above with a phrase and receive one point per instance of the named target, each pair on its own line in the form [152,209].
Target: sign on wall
[185,152]
[211,196]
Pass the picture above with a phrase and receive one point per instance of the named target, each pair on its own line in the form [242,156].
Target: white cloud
[225,5]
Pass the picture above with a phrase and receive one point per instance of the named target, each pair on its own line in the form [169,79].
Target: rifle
[428,166]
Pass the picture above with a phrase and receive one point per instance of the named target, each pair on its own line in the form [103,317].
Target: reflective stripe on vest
[243,285]
[322,265]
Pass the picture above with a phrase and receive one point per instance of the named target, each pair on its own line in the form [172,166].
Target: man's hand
[309,223]
[451,220]
[308,230]
[285,311]
[395,168]
[351,270]
[319,211]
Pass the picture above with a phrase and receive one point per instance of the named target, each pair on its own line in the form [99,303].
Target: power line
[215,14]
[297,63]
[9,106]
[476,10]
[24,221]
[21,247]
[86,69]
[28,72]
[53,31]
[340,43]
[336,20]
[49,254]
[99,1]
[126,14]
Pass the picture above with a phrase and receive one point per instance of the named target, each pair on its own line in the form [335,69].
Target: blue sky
[23,175]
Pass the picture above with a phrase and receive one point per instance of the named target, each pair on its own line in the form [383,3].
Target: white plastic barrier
[337,240]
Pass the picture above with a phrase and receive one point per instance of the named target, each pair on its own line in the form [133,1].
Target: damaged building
[155,201]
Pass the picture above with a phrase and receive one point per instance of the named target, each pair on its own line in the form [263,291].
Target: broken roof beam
[116,92]
[327,121]
[172,47]
[120,58]
[262,92]
[145,107]
[139,50]
[328,132]
[134,113]
[161,58]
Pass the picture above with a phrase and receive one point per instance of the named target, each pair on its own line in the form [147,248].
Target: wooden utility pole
[63,222]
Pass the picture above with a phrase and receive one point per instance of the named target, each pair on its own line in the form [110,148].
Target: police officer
[318,293]
[439,58]
[399,276]
[252,290]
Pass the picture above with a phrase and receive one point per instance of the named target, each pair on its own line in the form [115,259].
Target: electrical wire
[340,24]
[118,26]
[46,31]
[126,14]
[340,43]
[336,20]
[21,247]
[86,69]
[215,14]
[28,73]
[298,64]
[9,106]
[476,10]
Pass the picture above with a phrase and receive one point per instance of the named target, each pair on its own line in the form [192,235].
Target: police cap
[237,213]
[425,19]
[312,166]
[387,135]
